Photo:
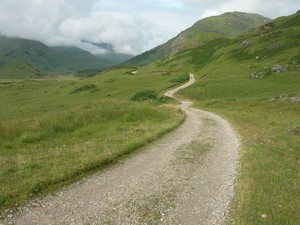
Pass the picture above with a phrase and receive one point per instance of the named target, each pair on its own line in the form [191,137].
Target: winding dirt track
[186,177]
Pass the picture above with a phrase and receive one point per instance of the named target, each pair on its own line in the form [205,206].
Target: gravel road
[186,177]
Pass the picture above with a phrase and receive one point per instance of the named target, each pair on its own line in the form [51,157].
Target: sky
[124,26]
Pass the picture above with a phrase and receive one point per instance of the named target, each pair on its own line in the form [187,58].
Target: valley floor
[186,177]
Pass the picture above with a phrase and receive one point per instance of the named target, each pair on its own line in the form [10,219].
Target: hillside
[276,42]
[227,24]
[21,58]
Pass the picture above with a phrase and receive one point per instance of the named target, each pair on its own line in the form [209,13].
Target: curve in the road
[186,177]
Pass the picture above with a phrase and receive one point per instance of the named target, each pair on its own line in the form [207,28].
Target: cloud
[269,8]
[127,34]
[34,19]
[104,46]
[129,26]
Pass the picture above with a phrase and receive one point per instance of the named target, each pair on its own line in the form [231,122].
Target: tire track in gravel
[186,177]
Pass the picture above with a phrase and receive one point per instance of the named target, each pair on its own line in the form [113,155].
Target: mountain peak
[230,23]
[204,30]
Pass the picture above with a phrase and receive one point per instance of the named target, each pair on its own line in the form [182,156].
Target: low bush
[147,95]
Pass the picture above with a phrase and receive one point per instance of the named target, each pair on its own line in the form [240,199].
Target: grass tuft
[88,87]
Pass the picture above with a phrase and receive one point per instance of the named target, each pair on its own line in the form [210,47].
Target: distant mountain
[115,58]
[227,24]
[22,58]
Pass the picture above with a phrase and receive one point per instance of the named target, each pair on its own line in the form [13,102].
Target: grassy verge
[269,168]
[268,120]
[54,131]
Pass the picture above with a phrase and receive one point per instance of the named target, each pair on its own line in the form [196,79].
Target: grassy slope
[262,110]
[54,131]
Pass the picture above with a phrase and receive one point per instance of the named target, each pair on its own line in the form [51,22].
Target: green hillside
[227,24]
[37,59]
[18,70]
[253,80]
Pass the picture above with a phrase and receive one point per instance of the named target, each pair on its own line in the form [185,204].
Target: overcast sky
[129,26]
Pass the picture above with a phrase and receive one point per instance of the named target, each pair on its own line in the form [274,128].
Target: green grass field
[54,131]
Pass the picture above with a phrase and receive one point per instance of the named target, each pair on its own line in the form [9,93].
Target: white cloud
[124,32]
[269,8]
[34,19]
[131,26]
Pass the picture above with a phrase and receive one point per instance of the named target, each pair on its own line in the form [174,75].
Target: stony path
[186,177]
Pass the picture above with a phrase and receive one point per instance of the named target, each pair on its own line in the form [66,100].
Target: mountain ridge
[209,28]
[34,59]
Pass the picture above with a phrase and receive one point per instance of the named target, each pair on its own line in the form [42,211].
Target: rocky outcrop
[244,44]
[277,68]
[177,43]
